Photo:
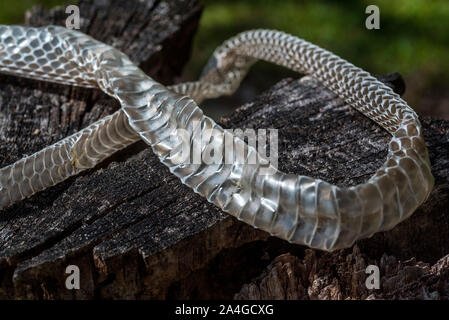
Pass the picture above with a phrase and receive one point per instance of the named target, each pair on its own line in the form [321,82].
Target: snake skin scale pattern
[299,209]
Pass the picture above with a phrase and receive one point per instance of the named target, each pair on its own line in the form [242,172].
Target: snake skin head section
[225,70]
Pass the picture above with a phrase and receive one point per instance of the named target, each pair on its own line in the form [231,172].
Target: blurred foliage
[12,11]
[413,38]
[413,34]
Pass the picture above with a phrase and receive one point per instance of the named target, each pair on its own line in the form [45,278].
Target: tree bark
[135,231]
[325,138]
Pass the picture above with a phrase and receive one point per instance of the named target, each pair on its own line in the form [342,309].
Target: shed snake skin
[299,209]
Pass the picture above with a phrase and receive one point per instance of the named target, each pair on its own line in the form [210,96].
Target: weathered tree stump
[325,138]
[136,232]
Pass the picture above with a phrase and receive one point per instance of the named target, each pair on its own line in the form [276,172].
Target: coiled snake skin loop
[300,209]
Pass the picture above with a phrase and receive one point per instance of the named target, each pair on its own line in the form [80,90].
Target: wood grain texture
[342,276]
[157,35]
[323,137]
[132,228]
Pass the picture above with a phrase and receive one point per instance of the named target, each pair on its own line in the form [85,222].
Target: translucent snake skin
[300,209]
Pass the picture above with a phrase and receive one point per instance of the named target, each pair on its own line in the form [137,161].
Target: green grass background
[413,38]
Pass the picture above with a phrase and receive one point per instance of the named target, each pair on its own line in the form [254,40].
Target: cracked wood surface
[322,137]
[133,229]
[325,138]
[87,214]
[342,276]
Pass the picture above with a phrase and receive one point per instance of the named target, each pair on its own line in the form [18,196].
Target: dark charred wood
[136,232]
